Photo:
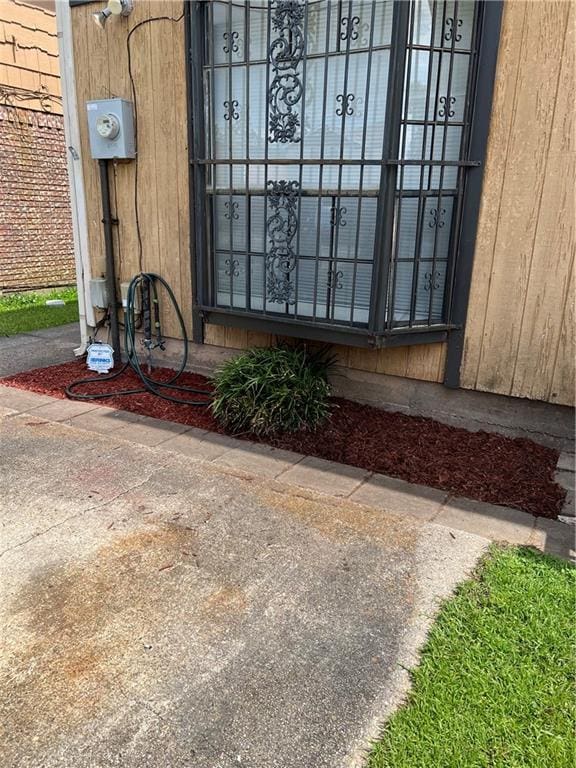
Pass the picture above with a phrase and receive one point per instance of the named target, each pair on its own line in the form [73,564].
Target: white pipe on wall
[75,176]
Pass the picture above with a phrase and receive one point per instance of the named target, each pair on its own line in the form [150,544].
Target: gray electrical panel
[111,129]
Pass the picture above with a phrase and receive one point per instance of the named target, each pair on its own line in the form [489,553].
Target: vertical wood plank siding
[158,67]
[520,330]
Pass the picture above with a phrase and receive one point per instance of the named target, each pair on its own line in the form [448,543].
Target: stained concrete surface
[159,611]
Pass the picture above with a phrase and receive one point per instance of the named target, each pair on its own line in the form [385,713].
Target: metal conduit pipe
[108,222]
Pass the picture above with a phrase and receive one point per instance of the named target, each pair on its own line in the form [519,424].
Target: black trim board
[486,75]
[327,333]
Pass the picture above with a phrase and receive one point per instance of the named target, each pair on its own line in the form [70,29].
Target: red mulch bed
[479,465]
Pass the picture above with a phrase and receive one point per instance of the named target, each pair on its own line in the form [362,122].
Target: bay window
[331,145]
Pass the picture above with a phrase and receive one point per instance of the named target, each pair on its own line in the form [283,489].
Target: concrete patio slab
[62,410]
[555,538]
[199,445]
[489,520]
[20,400]
[325,476]
[566,462]
[393,495]
[160,611]
[262,460]
[379,491]
[101,419]
[149,431]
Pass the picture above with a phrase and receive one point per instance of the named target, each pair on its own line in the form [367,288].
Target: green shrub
[271,390]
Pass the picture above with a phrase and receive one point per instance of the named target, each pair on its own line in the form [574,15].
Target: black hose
[147,279]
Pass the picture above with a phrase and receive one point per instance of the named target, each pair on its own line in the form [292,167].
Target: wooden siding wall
[520,330]
[158,67]
[29,71]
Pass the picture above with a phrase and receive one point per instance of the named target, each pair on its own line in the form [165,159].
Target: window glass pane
[315,227]
[351,286]
[313,293]
[231,279]
[339,116]
[419,292]
[228,38]
[230,222]
[448,77]
[356,228]
[334,283]
[432,132]
[421,251]
[447,24]
[258,30]
[422,143]
[424,225]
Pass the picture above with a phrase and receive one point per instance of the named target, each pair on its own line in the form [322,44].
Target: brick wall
[36,248]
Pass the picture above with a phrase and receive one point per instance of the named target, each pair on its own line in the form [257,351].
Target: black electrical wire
[149,384]
[140,24]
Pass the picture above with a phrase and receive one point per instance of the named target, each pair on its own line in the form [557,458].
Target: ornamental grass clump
[266,391]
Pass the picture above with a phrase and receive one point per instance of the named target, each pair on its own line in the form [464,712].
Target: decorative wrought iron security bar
[330,153]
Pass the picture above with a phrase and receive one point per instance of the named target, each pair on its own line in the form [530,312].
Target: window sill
[327,332]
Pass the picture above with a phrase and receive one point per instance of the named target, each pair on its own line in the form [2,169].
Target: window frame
[378,333]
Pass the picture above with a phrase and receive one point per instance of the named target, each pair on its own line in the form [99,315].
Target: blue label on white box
[100,358]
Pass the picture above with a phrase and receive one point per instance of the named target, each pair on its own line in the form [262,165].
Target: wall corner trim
[75,173]
[486,75]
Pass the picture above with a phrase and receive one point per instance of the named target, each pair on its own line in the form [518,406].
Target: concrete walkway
[47,346]
[293,470]
[175,598]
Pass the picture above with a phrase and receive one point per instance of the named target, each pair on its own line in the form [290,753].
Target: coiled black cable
[149,384]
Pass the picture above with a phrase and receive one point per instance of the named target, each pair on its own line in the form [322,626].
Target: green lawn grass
[495,687]
[21,312]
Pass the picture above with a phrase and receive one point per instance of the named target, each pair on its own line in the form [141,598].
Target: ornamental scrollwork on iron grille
[231,210]
[437,218]
[432,280]
[232,39]
[334,279]
[447,102]
[337,213]
[232,268]
[345,100]
[452,30]
[285,54]
[231,108]
[349,24]
[281,228]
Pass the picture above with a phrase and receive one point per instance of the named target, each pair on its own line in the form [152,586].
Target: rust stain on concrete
[340,520]
[75,631]
[227,600]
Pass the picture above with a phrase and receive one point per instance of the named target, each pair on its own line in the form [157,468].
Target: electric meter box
[111,129]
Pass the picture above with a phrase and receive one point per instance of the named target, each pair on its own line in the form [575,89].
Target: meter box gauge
[111,129]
